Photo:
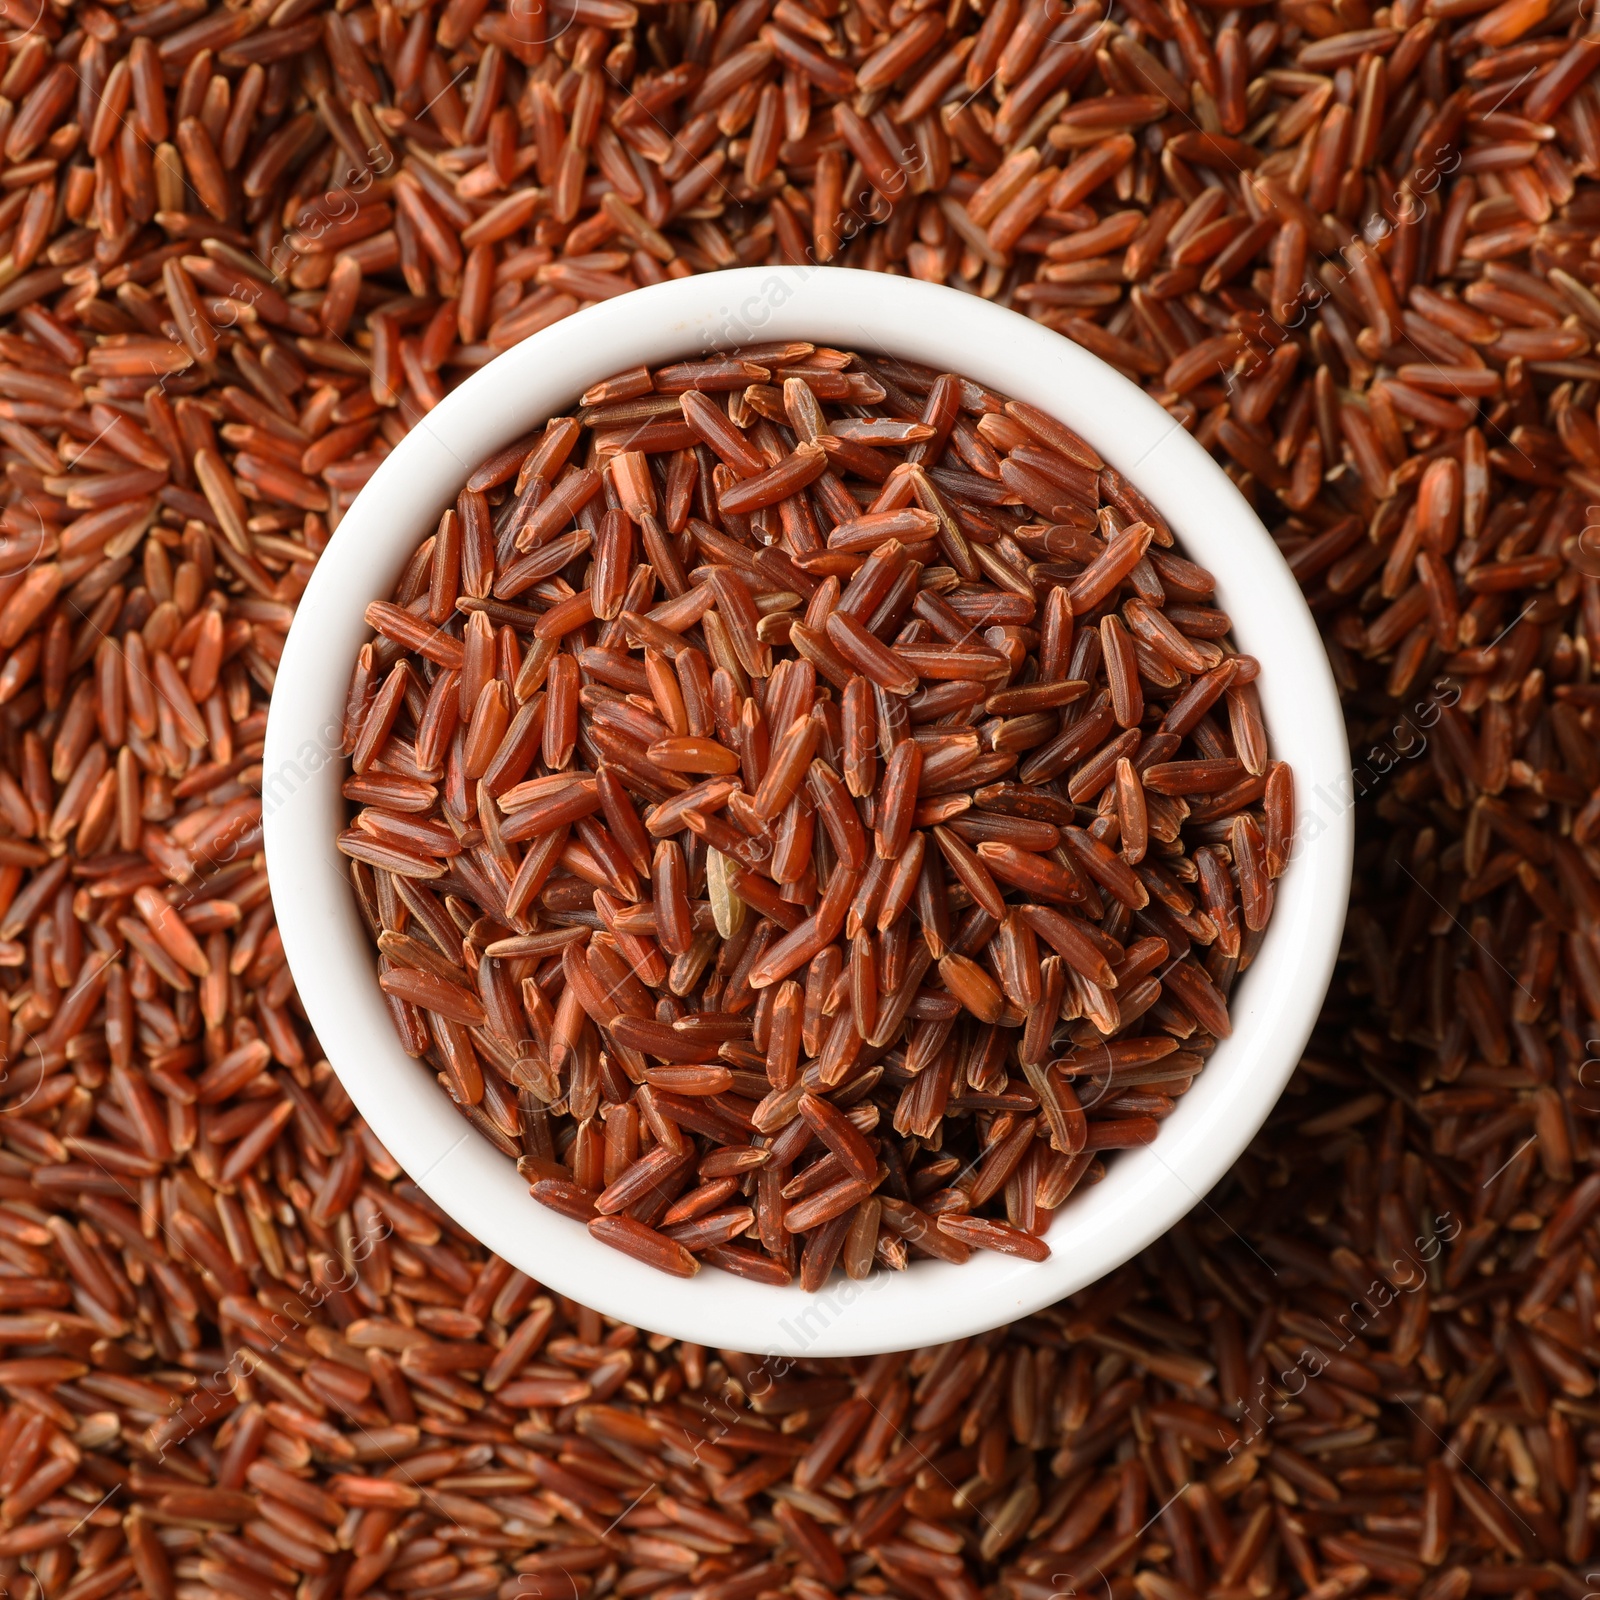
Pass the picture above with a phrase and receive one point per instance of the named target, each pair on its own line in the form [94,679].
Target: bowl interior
[1274,1003]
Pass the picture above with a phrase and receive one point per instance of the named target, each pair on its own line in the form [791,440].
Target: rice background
[246,247]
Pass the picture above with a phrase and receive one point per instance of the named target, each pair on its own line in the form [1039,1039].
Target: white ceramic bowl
[1274,1005]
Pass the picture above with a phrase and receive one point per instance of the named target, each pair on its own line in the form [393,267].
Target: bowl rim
[1275,1003]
